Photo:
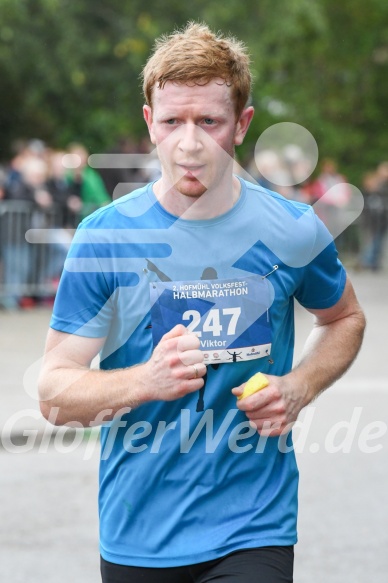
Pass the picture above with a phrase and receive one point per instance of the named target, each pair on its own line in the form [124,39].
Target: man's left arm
[330,349]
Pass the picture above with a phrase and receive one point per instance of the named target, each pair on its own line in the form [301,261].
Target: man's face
[195,130]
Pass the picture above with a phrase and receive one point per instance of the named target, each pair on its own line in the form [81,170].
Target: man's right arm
[91,397]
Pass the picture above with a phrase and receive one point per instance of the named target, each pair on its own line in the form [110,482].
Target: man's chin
[189,187]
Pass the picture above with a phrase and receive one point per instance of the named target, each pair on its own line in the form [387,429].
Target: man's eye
[208,121]
[170,122]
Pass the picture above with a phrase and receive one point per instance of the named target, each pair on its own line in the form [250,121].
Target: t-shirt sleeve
[323,279]
[83,303]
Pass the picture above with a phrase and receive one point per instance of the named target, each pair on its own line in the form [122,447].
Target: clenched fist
[176,366]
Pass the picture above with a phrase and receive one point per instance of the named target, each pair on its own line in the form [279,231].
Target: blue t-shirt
[187,481]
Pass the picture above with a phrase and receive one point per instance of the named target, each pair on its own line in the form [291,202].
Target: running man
[163,283]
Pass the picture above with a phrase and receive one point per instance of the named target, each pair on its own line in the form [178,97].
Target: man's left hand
[274,409]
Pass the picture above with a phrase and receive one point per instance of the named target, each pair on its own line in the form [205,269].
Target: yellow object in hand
[254,384]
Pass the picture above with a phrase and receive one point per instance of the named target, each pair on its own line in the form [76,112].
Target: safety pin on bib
[275,267]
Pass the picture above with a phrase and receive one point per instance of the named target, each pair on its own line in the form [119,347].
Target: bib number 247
[215,322]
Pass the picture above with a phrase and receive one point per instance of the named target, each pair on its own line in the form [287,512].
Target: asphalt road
[48,510]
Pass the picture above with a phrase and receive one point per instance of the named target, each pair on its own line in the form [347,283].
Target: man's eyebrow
[213,114]
[168,114]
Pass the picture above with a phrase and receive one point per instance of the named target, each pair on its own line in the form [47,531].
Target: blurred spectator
[327,179]
[28,186]
[334,193]
[85,182]
[127,177]
[68,203]
[3,179]
[65,213]
[375,217]
[19,149]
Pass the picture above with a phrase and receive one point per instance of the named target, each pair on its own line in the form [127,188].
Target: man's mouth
[191,169]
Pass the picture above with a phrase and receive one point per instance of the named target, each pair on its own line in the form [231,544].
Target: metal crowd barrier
[31,269]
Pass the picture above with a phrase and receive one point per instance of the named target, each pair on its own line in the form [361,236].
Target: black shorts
[260,565]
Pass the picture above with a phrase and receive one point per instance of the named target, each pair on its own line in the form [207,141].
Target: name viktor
[212,343]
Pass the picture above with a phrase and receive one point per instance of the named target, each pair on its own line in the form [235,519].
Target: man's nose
[190,139]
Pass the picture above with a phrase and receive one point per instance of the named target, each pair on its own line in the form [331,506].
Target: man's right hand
[175,368]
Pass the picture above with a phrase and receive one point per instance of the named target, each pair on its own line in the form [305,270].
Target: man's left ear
[243,125]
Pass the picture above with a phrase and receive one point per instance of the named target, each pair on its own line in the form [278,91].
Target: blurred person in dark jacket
[29,198]
[375,217]
[66,198]
[120,181]
[85,182]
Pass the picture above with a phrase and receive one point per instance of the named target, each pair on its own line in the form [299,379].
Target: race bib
[230,316]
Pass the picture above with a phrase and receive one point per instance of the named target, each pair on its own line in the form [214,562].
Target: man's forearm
[90,397]
[329,351]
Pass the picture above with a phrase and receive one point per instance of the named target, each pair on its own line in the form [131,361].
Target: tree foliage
[70,70]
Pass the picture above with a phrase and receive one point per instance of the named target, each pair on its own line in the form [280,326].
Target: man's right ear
[147,114]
